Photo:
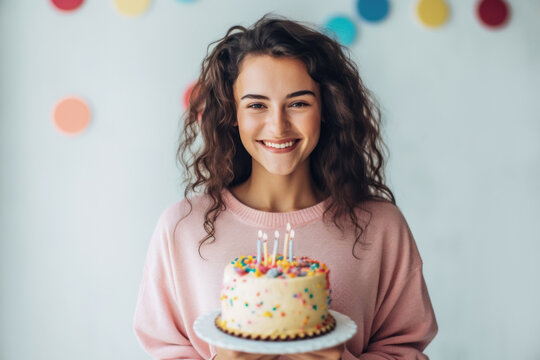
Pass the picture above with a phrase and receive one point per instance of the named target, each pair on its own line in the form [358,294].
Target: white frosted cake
[284,301]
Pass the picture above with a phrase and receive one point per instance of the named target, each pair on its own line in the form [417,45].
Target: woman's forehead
[268,74]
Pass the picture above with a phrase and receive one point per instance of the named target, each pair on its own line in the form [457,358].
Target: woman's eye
[299,104]
[256,106]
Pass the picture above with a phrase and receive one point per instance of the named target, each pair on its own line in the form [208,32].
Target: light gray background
[461,118]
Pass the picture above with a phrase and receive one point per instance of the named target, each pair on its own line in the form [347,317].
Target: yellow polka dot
[131,7]
[432,13]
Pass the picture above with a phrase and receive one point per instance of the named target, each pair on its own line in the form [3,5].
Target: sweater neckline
[273,219]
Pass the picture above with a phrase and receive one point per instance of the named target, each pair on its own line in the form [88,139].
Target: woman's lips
[277,148]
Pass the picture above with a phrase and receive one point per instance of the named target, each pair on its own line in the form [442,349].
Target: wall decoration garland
[71,115]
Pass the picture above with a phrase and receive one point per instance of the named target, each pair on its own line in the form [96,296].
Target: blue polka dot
[342,29]
[373,10]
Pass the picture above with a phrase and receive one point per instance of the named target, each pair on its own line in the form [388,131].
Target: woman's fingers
[226,354]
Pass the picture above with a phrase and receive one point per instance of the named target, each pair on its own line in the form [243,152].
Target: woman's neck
[278,193]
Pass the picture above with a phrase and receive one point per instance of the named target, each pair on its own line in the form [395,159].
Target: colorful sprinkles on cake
[299,267]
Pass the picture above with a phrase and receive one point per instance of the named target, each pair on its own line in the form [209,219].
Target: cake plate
[206,329]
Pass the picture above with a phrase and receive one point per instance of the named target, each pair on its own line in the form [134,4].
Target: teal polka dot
[342,29]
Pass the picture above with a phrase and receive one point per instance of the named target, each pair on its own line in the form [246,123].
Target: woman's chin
[279,172]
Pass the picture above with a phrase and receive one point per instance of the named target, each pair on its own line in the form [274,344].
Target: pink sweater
[383,291]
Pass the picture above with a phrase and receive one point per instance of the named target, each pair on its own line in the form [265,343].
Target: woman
[290,134]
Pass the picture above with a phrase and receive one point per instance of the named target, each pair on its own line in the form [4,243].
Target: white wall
[462,122]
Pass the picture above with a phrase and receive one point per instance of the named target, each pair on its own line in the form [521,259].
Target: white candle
[286,242]
[265,247]
[274,252]
[291,246]
[259,236]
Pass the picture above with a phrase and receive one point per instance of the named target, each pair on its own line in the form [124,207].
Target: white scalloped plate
[206,329]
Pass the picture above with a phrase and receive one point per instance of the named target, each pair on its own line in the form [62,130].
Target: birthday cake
[275,298]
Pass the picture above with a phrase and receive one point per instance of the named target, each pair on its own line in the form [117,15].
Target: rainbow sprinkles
[281,268]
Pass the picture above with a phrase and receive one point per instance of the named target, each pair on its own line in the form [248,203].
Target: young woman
[289,134]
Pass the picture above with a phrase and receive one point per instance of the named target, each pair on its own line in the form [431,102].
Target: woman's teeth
[279,146]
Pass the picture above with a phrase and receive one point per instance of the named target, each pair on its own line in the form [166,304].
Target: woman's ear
[235,123]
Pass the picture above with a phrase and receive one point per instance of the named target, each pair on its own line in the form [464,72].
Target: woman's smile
[279,147]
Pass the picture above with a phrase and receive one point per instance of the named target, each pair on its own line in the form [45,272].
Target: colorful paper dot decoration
[342,29]
[373,10]
[71,115]
[131,7]
[67,5]
[187,94]
[432,13]
[493,13]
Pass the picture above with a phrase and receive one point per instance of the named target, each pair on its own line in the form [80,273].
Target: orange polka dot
[71,115]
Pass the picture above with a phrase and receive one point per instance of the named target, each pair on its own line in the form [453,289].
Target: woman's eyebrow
[291,95]
[300,93]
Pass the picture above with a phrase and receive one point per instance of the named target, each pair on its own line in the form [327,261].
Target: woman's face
[278,112]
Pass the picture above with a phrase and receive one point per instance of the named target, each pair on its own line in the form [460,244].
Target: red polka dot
[185,103]
[67,5]
[187,95]
[493,13]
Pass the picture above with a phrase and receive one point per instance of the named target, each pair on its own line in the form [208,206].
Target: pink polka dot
[71,115]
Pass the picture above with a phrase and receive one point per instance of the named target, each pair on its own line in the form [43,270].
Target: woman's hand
[333,353]
[225,354]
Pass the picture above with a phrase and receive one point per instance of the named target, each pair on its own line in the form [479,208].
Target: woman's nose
[279,121]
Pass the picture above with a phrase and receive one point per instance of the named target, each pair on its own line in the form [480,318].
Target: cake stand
[205,328]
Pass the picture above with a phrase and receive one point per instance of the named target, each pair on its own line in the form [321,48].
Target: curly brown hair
[347,165]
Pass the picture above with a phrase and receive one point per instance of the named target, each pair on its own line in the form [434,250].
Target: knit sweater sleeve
[158,324]
[404,325]
[404,321]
